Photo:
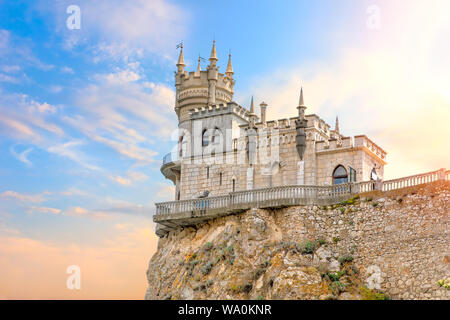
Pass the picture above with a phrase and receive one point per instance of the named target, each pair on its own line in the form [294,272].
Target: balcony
[171,166]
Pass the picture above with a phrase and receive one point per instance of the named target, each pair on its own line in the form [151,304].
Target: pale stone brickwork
[204,102]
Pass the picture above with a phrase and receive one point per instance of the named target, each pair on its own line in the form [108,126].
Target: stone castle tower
[224,147]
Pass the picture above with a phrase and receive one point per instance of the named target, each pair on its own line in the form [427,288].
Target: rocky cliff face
[370,247]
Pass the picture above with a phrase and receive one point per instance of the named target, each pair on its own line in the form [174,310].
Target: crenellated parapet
[219,109]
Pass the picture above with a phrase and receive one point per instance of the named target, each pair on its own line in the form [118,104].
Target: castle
[224,147]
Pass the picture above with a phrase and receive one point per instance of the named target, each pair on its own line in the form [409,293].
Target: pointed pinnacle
[229,66]
[181,57]
[213,52]
[301,103]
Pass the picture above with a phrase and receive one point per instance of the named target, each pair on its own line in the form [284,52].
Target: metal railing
[293,195]
[170,157]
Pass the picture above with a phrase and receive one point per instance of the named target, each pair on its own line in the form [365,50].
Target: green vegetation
[206,269]
[445,283]
[370,294]
[208,246]
[307,247]
[345,259]
[337,287]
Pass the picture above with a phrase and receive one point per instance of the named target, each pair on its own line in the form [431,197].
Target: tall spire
[180,63]
[229,71]
[213,58]
[336,127]
[301,103]
[252,106]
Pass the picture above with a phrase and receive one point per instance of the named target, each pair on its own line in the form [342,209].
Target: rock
[334,266]
[399,250]
[324,253]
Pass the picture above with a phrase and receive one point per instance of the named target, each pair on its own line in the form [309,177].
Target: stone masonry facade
[224,147]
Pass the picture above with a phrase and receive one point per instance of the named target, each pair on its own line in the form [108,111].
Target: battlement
[219,109]
[351,142]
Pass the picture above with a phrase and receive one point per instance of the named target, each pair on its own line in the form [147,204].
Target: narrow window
[207,172]
[220,178]
[340,175]
[205,138]
[234,185]
[352,177]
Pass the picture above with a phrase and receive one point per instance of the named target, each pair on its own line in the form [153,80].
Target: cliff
[374,246]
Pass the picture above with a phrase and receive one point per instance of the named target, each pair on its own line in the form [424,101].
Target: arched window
[182,146]
[205,138]
[340,175]
[234,185]
[373,175]
[215,138]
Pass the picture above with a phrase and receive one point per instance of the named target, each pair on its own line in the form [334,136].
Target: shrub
[336,239]
[374,204]
[445,283]
[246,288]
[345,259]
[342,210]
[334,276]
[321,241]
[337,287]
[308,247]
[206,269]
[208,246]
[370,294]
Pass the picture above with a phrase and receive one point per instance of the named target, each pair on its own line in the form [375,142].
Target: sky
[86,114]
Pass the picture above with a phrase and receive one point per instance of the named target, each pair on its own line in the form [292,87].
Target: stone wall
[395,244]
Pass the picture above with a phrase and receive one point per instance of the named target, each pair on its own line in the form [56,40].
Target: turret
[229,71]
[200,88]
[213,75]
[263,107]
[300,126]
[180,64]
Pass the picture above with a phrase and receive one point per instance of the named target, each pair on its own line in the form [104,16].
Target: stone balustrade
[415,180]
[190,212]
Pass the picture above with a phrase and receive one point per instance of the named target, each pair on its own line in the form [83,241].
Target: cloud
[68,150]
[25,119]
[132,176]
[22,156]
[381,87]
[126,29]
[17,51]
[124,112]
[27,198]
[44,210]
[67,70]
[83,212]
